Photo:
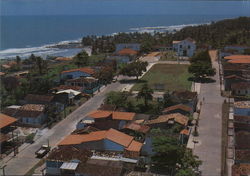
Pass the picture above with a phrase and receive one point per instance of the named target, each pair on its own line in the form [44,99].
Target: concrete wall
[105,145]
[34,121]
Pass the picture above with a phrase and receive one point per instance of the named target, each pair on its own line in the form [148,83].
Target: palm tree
[146,93]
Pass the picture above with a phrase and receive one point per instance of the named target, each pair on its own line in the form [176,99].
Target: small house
[166,121]
[185,48]
[78,72]
[106,140]
[110,119]
[31,114]
[241,88]
[88,84]
[180,108]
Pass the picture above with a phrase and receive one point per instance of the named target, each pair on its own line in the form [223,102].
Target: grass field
[172,76]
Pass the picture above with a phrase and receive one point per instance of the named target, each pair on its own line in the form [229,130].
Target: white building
[185,47]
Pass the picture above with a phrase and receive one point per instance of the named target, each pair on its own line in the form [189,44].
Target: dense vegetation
[217,34]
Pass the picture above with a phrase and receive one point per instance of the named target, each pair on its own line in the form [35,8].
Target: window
[188,46]
[180,46]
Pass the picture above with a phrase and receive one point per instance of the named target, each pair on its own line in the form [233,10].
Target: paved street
[25,160]
[210,125]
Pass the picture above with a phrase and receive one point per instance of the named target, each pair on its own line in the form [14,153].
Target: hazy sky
[76,7]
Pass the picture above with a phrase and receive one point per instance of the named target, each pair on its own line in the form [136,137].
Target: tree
[146,47]
[134,69]
[117,99]
[10,83]
[105,75]
[168,152]
[167,99]
[81,59]
[145,93]
[18,61]
[201,65]
[189,165]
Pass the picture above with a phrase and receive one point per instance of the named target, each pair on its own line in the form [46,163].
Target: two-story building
[185,48]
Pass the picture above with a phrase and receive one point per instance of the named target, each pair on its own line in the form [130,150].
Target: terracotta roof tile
[100,114]
[112,134]
[81,138]
[115,115]
[137,127]
[177,117]
[179,106]
[123,115]
[30,110]
[63,59]
[84,69]
[236,57]
[6,120]
[127,51]
[134,146]
[119,137]
[42,98]
[240,61]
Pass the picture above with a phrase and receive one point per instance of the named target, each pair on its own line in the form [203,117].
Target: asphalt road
[208,147]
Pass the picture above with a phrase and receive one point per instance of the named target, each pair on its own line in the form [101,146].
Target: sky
[120,7]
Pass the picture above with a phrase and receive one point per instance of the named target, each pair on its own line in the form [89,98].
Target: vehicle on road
[42,151]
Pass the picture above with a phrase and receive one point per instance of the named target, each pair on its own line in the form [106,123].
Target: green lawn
[169,56]
[172,76]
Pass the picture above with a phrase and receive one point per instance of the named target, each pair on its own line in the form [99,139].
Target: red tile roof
[63,59]
[87,70]
[100,114]
[137,127]
[127,51]
[179,106]
[236,57]
[30,110]
[6,120]
[177,117]
[123,115]
[241,85]
[114,114]
[111,134]
[239,61]
[134,146]
[242,140]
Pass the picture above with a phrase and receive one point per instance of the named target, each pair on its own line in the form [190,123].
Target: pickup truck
[42,151]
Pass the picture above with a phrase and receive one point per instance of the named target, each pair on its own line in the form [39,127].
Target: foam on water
[48,50]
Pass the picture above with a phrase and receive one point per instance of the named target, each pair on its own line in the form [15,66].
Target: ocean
[29,26]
